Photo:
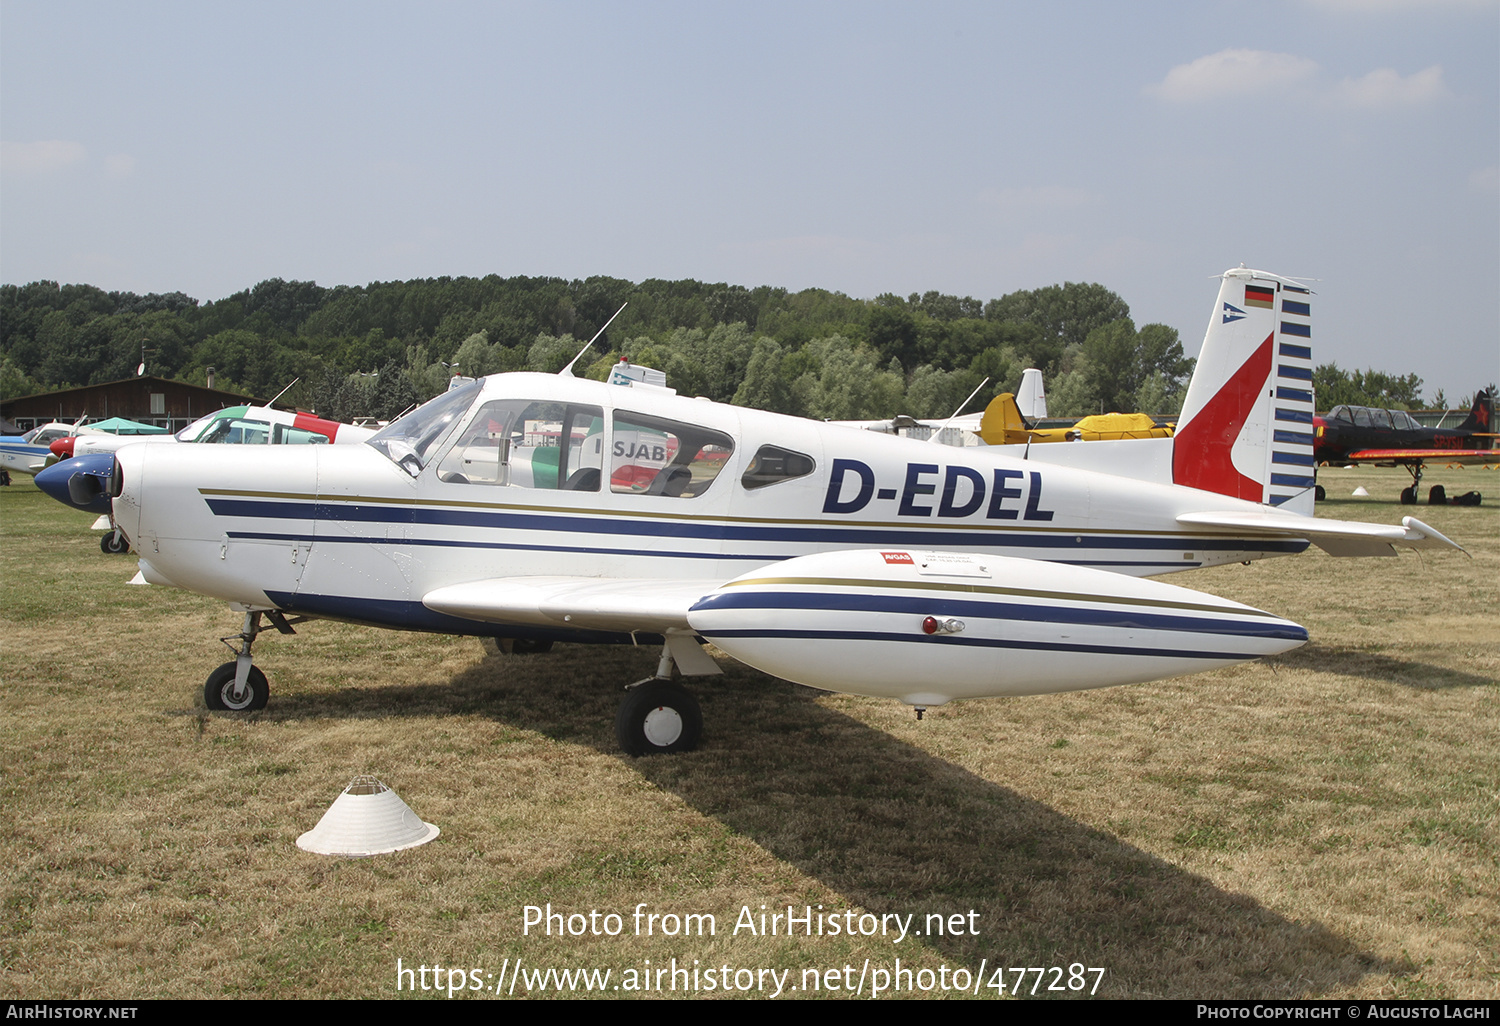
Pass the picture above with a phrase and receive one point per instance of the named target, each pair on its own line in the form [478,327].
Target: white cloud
[118,165]
[1231,73]
[1386,88]
[40,157]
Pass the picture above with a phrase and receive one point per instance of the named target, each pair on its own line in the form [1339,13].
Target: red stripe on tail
[1201,450]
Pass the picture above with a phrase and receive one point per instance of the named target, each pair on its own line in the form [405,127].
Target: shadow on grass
[1348,661]
[894,829]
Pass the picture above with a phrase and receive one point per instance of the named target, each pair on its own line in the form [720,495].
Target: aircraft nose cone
[62,448]
[81,482]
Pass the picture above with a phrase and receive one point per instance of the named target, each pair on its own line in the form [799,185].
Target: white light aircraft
[31,453]
[233,425]
[538,507]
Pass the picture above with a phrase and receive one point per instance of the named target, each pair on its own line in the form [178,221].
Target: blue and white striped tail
[1290,478]
[1247,426]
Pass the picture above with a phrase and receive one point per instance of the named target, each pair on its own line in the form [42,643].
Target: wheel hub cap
[663,726]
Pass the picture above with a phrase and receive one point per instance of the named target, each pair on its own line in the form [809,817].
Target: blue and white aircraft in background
[538,507]
[31,453]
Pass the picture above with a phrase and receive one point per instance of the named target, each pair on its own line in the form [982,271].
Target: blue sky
[970,148]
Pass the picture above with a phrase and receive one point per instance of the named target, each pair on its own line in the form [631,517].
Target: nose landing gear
[240,686]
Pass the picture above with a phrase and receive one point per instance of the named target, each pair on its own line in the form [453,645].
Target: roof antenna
[938,434]
[282,393]
[567,372]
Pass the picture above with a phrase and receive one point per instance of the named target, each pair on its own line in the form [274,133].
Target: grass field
[1320,824]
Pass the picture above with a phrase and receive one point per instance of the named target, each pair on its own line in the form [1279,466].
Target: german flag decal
[1257,295]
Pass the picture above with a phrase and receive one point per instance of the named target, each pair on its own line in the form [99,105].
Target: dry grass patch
[1319,824]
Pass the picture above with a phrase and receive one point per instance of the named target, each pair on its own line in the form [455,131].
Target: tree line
[374,350]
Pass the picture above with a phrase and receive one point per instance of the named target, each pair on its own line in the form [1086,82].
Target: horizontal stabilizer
[584,603]
[1336,537]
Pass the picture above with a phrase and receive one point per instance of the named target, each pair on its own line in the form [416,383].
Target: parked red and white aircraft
[527,506]
[233,425]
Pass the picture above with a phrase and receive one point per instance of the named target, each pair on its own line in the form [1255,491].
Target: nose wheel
[222,694]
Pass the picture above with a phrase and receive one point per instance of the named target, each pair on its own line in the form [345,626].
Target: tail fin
[1247,426]
[1031,397]
[1482,416]
[1002,423]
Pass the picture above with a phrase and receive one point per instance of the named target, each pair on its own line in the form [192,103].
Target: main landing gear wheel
[1409,496]
[113,544]
[218,690]
[659,717]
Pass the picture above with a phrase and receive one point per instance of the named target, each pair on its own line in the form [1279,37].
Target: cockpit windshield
[198,428]
[412,440]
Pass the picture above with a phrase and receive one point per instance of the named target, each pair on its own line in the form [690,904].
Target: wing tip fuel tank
[929,627]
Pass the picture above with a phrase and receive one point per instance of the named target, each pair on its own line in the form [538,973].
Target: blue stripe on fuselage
[939,536]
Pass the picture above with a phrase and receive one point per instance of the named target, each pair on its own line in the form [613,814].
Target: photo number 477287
[1074,978]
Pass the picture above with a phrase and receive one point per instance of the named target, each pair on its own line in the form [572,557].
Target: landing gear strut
[240,686]
[1409,495]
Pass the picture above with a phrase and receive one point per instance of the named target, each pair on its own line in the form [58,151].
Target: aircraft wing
[1336,537]
[585,603]
[1464,456]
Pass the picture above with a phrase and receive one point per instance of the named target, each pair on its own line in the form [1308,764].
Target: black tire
[218,690]
[530,646]
[1409,496]
[113,544]
[1319,493]
[659,718]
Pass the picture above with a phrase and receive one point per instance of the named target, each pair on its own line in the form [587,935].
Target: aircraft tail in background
[1481,417]
[1031,397]
[1246,428]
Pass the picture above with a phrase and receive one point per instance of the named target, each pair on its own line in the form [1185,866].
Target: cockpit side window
[522,444]
[656,456]
[772,463]
[285,434]
[235,431]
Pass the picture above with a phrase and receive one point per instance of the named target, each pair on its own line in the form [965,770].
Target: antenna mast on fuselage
[567,371]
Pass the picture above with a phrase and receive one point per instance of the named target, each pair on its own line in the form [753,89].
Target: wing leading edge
[585,603]
[1462,457]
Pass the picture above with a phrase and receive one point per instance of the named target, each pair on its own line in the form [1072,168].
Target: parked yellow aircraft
[1002,424]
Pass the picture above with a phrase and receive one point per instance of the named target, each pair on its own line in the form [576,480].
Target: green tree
[763,387]
[1066,315]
